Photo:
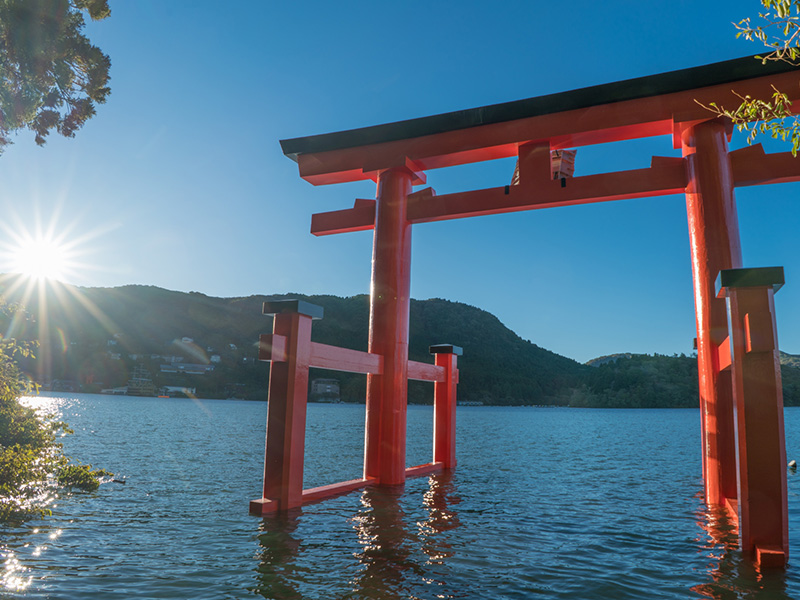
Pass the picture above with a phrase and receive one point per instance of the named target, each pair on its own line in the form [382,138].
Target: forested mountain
[96,338]
[639,380]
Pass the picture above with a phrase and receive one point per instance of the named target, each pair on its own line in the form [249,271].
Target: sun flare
[40,258]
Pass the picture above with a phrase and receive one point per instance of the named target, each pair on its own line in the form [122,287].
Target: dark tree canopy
[51,75]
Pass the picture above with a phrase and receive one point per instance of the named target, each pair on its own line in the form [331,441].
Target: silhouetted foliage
[51,76]
[29,452]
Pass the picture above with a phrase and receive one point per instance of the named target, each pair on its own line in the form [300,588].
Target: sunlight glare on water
[14,572]
[545,503]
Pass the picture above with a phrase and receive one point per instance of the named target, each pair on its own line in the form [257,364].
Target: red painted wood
[714,243]
[732,508]
[666,176]
[758,332]
[534,163]
[752,166]
[272,347]
[385,447]
[336,489]
[444,412]
[286,413]
[263,506]
[707,174]
[663,179]
[292,354]
[724,354]
[644,117]
[771,557]
[763,511]
[359,218]
[425,371]
[749,165]
[344,359]
[425,469]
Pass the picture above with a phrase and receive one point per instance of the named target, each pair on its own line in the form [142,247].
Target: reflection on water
[438,500]
[15,576]
[563,504]
[386,556]
[22,548]
[279,547]
[387,564]
[732,575]
[397,557]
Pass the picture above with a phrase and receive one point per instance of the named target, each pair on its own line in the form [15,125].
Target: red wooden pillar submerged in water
[758,397]
[744,466]
[385,444]
[444,406]
[395,155]
[290,350]
[714,244]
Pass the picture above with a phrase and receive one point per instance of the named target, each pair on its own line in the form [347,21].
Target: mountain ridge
[94,338]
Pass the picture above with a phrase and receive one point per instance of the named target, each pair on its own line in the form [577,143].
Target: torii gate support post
[385,444]
[715,245]
[290,350]
[444,406]
[761,445]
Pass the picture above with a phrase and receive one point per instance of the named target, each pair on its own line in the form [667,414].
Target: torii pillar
[715,246]
[385,443]
[395,154]
[758,398]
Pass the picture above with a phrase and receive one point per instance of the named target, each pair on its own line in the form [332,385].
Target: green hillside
[96,338]
[93,338]
[644,381]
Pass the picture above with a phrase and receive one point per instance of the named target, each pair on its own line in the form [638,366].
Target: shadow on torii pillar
[740,392]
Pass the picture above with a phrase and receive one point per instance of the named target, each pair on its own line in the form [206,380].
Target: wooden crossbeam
[425,372]
[272,347]
[666,175]
[629,119]
[752,166]
[335,358]
[724,354]
[358,218]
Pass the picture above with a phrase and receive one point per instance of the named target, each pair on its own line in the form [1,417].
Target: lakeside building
[325,390]
[187,368]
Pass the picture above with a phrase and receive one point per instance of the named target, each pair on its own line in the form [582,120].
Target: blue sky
[179,181]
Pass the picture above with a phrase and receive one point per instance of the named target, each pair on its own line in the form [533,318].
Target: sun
[47,252]
[40,258]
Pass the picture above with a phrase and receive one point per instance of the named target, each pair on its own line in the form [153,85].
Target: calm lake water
[545,503]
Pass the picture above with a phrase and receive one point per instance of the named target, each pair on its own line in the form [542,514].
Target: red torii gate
[740,390]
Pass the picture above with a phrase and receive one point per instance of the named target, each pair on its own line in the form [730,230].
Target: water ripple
[546,503]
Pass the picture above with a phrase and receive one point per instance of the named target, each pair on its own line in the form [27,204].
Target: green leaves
[81,477]
[780,32]
[30,454]
[773,117]
[51,76]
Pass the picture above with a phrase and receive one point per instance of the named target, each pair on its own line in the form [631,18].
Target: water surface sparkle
[548,503]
